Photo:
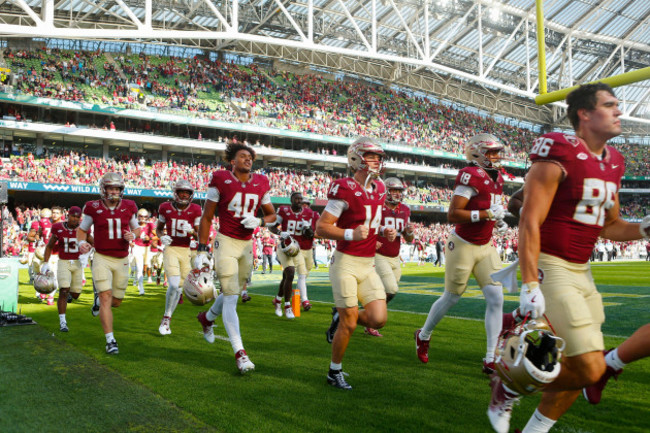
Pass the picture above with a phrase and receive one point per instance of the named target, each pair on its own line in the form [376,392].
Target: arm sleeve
[213,194]
[336,207]
[465,191]
[86,223]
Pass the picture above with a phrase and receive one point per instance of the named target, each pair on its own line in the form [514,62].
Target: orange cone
[295,302]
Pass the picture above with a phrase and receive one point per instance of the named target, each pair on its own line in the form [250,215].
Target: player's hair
[233,147]
[59,208]
[584,97]
[294,193]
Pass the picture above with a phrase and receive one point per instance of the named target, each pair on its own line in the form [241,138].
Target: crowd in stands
[226,91]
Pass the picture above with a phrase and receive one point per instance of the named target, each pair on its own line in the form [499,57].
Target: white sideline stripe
[425,314]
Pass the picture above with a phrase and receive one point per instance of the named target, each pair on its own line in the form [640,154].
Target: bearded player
[298,222]
[353,218]
[396,215]
[475,207]
[70,272]
[237,195]
[570,199]
[115,226]
[180,219]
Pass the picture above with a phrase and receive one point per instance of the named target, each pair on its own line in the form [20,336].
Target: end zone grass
[53,381]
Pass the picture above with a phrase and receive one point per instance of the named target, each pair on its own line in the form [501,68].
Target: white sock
[244,292]
[538,423]
[437,312]
[278,298]
[109,337]
[612,360]
[335,366]
[231,322]
[173,294]
[287,304]
[493,317]
[216,309]
[62,318]
[302,286]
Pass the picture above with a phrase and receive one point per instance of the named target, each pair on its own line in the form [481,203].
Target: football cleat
[180,300]
[164,326]
[329,334]
[278,307]
[50,301]
[63,327]
[372,332]
[208,333]
[306,305]
[500,409]
[336,378]
[94,310]
[288,312]
[111,348]
[488,366]
[245,297]
[421,347]
[594,392]
[244,364]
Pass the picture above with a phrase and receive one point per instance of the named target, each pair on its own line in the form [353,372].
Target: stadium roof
[483,53]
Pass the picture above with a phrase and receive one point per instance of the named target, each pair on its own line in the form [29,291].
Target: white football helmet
[144,214]
[356,153]
[46,213]
[183,185]
[39,252]
[394,197]
[111,179]
[289,246]
[199,287]
[44,283]
[477,147]
[528,356]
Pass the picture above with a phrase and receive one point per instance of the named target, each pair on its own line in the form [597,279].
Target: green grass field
[54,382]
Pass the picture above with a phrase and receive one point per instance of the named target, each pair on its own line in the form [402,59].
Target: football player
[475,208]
[570,199]
[395,214]
[140,249]
[180,219]
[115,226]
[39,233]
[237,195]
[70,272]
[297,222]
[353,218]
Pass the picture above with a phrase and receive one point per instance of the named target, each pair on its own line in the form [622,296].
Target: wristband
[348,234]
[201,248]
[474,216]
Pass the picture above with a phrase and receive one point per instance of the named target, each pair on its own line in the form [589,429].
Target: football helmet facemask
[183,185]
[356,156]
[199,287]
[477,147]
[528,356]
[44,282]
[289,246]
[114,180]
[395,189]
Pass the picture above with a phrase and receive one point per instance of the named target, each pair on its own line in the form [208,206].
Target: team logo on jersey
[487,182]
[572,139]
[451,246]
[227,181]
[540,276]
[358,194]
[481,173]
[95,204]
[583,156]
[352,184]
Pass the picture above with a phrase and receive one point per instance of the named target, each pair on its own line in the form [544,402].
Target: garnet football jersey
[488,193]
[110,226]
[396,218]
[145,230]
[66,241]
[173,218]
[294,224]
[363,208]
[588,190]
[238,200]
